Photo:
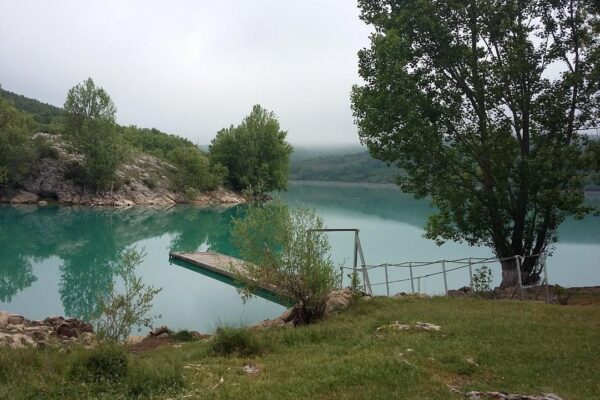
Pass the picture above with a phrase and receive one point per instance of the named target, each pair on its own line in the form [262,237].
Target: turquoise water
[58,260]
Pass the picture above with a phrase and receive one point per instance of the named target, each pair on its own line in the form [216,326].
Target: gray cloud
[193,67]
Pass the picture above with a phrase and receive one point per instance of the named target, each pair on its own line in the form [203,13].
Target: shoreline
[589,194]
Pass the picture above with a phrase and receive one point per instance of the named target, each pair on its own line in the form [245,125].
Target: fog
[193,67]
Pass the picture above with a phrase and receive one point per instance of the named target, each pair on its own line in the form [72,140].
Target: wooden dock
[222,265]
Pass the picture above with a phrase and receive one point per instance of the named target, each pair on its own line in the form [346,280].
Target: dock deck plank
[221,264]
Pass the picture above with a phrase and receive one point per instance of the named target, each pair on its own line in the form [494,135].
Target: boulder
[338,300]
[72,328]
[16,319]
[462,292]
[24,197]
[161,330]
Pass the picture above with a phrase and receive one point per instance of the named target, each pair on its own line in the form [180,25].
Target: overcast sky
[193,67]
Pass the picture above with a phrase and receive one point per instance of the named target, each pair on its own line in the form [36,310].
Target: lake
[59,260]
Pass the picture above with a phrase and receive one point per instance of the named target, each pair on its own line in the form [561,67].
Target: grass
[523,347]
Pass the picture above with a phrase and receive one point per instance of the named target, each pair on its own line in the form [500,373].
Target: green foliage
[467,98]
[482,280]
[153,142]
[236,341]
[354,281]
[147,379]
[183,336]
[103,372]
[356,167]
[562,294]
[123,311]
[16,148]
[47,118]
[44,149]
[284,251]
[472,328]
[106,363]
[91,129]
[194,170]
[255,152]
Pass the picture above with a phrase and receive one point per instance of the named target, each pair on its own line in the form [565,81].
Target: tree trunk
[510,277]
[530,272]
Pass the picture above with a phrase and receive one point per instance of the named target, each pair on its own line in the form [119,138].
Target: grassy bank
[513,346]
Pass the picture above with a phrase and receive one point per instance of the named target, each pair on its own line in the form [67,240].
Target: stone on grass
[160,330]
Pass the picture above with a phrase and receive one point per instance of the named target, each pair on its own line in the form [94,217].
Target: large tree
[254,152]
[91,128]
[483,104]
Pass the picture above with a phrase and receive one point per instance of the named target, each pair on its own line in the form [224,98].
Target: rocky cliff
[143,180]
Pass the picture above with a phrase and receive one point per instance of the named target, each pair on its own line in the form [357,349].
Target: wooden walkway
[221,264]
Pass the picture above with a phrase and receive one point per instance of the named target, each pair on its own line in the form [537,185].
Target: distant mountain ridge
[355,167]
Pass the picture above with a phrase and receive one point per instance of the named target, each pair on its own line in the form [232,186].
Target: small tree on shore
[129,308]
[284,251]
[91,129]
[255,152]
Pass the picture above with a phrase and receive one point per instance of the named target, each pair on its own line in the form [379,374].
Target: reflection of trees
[197,227]
[391,203]
[90,240]
[382,201]
[89,264]
[15,275]
[15,266]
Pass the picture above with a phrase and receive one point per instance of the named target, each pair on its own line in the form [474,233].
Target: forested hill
[48,118]
[355,167]
[42,113]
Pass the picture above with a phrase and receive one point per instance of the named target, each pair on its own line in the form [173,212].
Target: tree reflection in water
[89,242]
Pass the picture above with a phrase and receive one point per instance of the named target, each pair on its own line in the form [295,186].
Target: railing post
[471,274]
[366,281]
[445,280]
[520,282]
[355,254]
[387,285]
[412,282]
[341,277]
[546,280]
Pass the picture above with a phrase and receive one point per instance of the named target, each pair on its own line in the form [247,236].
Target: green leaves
[16,147]
[91,129]
[122,311]
[255,152]
[284,251]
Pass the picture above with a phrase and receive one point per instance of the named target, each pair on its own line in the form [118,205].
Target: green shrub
[126,309]
[107,363]
[236,341]
[148,380]
[44,149]
[482,280]
[286,249]
[183,336]
[150,181]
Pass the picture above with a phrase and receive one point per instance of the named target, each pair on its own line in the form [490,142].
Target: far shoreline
[589,194]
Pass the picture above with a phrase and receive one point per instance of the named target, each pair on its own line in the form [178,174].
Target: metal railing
[463,263]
